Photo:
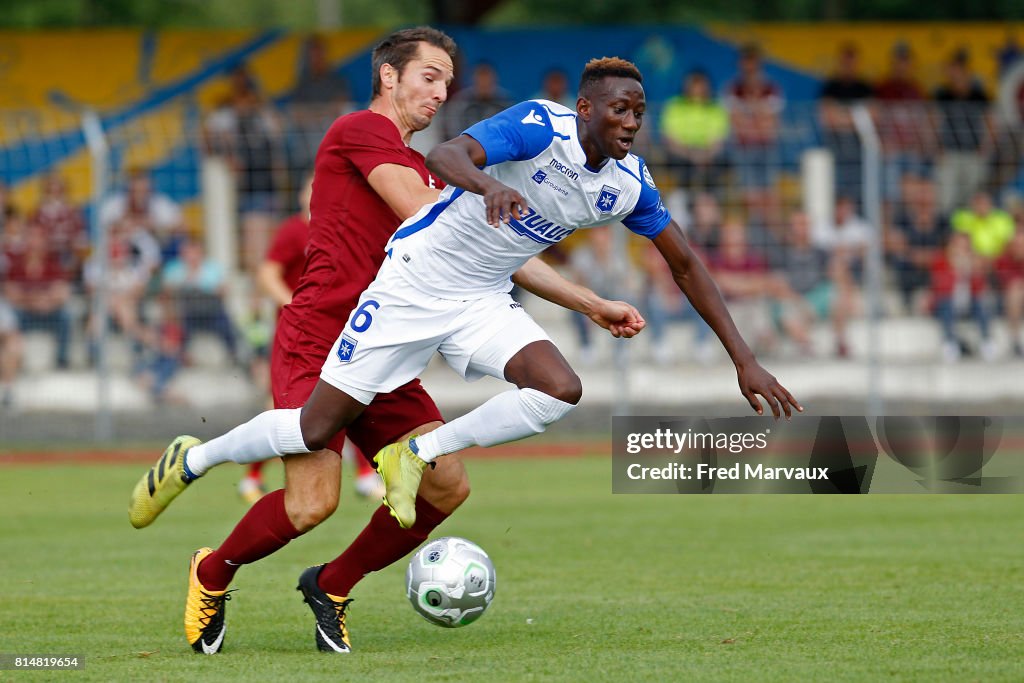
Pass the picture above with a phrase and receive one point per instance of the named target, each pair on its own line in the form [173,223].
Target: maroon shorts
[295,363]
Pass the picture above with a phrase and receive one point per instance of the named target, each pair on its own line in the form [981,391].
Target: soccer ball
[450,582]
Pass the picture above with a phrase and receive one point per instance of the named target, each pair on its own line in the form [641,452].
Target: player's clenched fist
[503,203]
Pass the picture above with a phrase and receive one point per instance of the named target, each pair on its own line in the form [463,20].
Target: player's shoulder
[361,122]
[636,168]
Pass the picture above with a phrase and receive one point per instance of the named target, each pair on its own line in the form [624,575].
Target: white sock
[274,432]
[508,416]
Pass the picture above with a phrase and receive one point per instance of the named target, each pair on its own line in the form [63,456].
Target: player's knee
[545,408]
[568,388]
[317,434]
[312,511]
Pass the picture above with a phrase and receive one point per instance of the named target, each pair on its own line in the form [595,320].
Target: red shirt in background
[289,249]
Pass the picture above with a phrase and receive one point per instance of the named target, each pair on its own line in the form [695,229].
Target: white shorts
[394,331]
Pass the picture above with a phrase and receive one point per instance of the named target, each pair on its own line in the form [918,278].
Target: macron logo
[533,117]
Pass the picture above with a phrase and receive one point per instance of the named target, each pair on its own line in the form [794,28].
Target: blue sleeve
[649,216]
[520,132]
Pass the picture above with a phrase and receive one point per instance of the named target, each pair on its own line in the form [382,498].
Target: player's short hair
[597,70]
[399,48]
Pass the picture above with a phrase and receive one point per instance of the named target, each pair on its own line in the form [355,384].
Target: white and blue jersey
[449,251]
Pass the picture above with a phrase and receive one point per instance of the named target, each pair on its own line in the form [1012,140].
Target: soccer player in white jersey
[518,182]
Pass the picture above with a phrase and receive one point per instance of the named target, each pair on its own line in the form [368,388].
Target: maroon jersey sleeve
[375,141]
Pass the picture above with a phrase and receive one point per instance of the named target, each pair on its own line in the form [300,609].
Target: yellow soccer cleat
[204,611]
[401,470]
[162,484]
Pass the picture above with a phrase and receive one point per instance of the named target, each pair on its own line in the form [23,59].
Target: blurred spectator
[63,224]
[318,84]
[593,265]
[755,103]
[965,133]
[555,87]
[133,256]
[846,239]
[705,222]
[918,235]
[139,208]
[903,124]
[320,96]
[481,100]
[38,288]
[664,303]
[1010,275]
[11,348]
[959,288]
[246,130]
[746,283]
[199,286]
[165,342]
[989,228]
[1008,54]
[694,129]
[281,270]
[805,268]
[845,88]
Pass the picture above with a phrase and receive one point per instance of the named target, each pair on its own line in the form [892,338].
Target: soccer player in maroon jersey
[278,276]
[367,181]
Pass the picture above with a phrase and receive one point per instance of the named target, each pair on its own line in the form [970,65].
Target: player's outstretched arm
[695,282]
[618,317]
[458,162]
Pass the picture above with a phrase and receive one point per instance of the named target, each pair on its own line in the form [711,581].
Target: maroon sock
[381,543]
[255,470]
[264,529]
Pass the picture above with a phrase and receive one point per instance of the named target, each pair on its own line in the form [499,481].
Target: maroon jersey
[349,223]
[349,227]
[289,249]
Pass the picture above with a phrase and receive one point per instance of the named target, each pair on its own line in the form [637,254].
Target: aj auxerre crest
[346,348]
[606,200]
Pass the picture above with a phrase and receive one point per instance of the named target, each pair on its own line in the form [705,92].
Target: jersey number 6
[362,319]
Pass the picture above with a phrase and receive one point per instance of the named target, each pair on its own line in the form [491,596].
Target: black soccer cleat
[329,610]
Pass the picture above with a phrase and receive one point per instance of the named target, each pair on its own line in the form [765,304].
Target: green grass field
[590,586]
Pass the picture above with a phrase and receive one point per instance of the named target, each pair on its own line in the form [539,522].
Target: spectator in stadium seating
[165,342]
[38,288]
[805,268]
[63,224]
[694,129]
[989,228]
[664,303]
[247,131]
[705,222]
[140,209]
[320,96]
[959,287]
[133,257]
[965,133]
[198,284]
[841,91]
[482,99]
[755,102]
[1010,276]
[11,348]
[918,235]
[318,84]
[744,278]
[554,86]
[846,239]
[593,265]
[903,124]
